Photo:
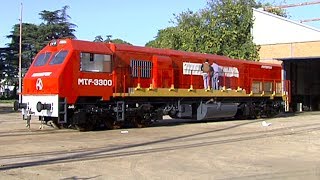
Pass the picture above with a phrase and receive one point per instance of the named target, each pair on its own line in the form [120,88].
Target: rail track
[212,137]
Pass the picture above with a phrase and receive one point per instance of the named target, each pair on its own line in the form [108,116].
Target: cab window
[42,59]
[58,57]
[91,62]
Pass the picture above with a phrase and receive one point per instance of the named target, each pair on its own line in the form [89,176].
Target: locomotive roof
[97,47]
[160,51]
[110,48]
[164,51]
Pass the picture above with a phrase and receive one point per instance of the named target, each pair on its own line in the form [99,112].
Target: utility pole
[292,5]
[309,20]
[20,55]
[296,5]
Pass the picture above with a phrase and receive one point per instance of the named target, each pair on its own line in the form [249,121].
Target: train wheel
[84,127]
[271,113]
[243,111]
[138,122]
[273,110]
[111,124]
[88,125]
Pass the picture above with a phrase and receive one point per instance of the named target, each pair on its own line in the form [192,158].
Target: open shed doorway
[304,76]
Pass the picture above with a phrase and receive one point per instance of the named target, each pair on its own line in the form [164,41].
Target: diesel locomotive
[84,85]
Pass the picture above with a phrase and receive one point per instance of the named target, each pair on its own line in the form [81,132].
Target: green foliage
[56,25]
[232,23]
[117,41]
[30,44]
[167,38]
[223,28]
[34,37]
[3,62]
[120,41]
[98,39]
[3,100]
[269,8]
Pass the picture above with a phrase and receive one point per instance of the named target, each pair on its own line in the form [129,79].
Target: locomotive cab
[40,93]
[62,74]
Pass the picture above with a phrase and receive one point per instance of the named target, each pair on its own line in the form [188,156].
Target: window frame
[57,53]
[36,64]
[91,58]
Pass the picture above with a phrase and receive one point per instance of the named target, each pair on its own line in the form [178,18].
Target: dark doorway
[304,75]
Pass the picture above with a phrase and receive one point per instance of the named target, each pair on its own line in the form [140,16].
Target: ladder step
[120,111]
[63,110]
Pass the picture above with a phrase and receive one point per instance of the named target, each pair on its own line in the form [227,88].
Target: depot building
[297,47]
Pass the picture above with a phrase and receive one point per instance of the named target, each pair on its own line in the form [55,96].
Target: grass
[7,101]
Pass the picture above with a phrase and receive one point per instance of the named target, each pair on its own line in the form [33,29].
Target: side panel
[264,78]
[67,82]
[162,72]
[230,74]
[87,82]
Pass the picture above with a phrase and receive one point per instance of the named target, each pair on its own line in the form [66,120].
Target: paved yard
[288,149]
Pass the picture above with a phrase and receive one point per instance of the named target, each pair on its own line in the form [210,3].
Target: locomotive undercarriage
[134,112]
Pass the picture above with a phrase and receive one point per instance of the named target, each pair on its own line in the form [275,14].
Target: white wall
[272,29]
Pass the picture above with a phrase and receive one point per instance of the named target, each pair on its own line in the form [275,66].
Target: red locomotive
[83,84]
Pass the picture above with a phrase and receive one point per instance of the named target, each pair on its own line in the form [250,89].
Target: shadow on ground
[6,109]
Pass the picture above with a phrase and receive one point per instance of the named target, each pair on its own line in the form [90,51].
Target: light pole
[20,54]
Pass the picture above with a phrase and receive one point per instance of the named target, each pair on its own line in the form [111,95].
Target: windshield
[42,59]
[58,57]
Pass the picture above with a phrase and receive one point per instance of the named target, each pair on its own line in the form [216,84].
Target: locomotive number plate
[94,82]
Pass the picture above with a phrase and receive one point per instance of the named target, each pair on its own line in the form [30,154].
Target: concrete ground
[238,149]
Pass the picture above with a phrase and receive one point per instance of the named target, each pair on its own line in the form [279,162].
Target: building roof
[315,58]
[269,28]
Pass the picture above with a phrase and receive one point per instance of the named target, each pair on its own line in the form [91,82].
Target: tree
[10,54]
[167,38]
[8,72]
[232,28]
[268,7]
[99,38]
[223,28]
[3,63]
[120,41]
[34,37]
[56,25]
[30,46]
[50,17]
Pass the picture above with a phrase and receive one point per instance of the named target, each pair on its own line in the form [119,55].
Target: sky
[135,21]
